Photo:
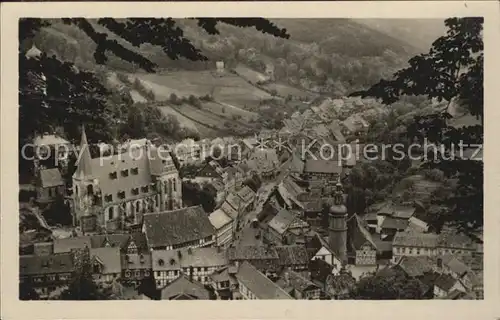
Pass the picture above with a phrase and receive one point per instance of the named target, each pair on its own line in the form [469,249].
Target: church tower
[84,188]
[337,224]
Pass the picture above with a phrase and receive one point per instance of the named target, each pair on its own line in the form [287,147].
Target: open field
[183,121]
[230,88]
[249,74]
[226,110]
[137,97]
[285,90]
[117,84]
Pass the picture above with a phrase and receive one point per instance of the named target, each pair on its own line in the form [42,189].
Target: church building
[114,192]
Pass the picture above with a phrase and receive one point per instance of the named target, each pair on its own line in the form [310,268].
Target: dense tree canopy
[54,93]
[452,71]
[388,285]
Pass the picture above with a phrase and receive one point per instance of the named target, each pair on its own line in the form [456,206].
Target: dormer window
[135,171]
[145,189]
[108,198]
[113,175]
[135,191]
[125,173]
[121,194]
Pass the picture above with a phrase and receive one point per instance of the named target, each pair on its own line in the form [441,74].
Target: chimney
[191,270]
[287,279]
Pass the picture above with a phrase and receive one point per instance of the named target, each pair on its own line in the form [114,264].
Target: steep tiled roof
[296,164]
[360,235]
[109,257]
[177,226]
[67,244]
[51,178]
[219,219]
[114,240]
[252,253]
[294,280]
[292,255]
[221,274]
[445,282]
[455,264]
[395,224]
[416,266]
[322,166]
[183,286]
[415,239]
[139,240]
[458,295]
[397,211]
[452,239]
[282,221]
[194,257]
[53,263]
[261,286]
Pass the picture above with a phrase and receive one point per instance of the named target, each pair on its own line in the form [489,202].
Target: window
[124,173]
[111,213]
[121,194]
[90,189]
[175,185]
[135,191]
[158,274]
[145,189]
[113,175]
[76,190]
[108,198]
[418,250]
[161,262]
[135,171]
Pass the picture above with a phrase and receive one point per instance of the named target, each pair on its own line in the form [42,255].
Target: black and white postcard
[249,151]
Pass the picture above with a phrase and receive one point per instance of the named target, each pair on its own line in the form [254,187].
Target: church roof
[33,52]
[84,161]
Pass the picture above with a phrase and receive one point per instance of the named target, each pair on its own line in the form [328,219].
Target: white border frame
[12,308]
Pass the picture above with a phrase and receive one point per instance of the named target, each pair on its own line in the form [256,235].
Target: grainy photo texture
[250,158]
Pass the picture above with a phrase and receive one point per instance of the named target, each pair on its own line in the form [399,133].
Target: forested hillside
[326,55]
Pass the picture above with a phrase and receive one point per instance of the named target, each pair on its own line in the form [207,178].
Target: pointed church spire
[84,168]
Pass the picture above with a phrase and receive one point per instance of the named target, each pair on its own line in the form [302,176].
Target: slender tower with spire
[83,182]
[337,224]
